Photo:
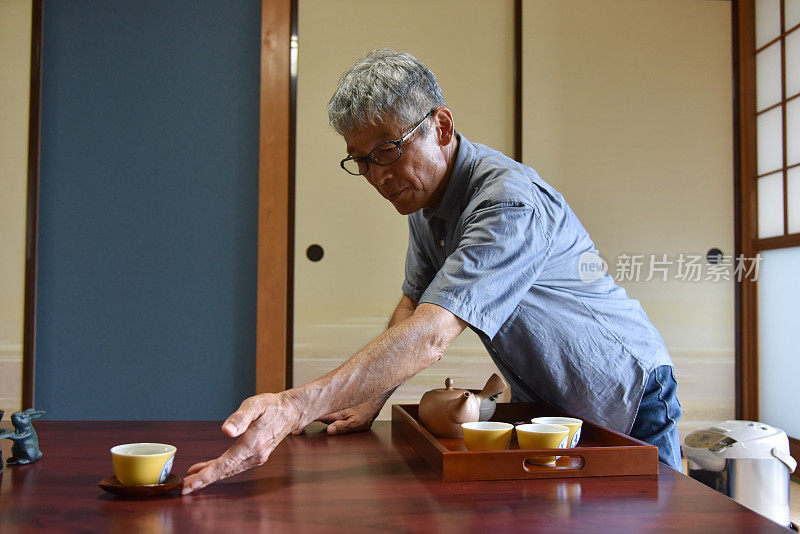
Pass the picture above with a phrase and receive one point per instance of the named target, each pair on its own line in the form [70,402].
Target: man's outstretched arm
[262,421]
[360,417]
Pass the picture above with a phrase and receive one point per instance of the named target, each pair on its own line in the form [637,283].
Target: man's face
[411,182]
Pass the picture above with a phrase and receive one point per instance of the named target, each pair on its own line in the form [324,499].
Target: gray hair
[384,84]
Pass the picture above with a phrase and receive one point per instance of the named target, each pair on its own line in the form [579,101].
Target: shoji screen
[777,57]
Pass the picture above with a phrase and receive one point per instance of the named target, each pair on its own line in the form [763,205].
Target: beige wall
[628,112]
[15,50]
[346,299]
[343,213]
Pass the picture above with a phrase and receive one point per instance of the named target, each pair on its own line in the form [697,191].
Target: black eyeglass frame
[397,142]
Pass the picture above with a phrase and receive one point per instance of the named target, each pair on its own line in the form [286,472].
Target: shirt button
[441,242]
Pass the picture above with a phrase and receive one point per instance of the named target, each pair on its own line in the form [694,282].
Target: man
[491,246]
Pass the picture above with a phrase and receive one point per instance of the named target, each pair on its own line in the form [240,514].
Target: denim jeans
[658,415]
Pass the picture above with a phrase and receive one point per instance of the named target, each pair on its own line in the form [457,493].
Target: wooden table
[367,482]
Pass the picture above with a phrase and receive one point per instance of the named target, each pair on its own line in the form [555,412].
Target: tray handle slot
[576,463]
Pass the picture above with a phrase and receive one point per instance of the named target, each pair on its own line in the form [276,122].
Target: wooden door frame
[32,209]
[275,284]
[745,206]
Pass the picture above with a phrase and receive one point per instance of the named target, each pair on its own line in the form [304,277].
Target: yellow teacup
[542,436]
[571,422]
[487,435]
[138,464]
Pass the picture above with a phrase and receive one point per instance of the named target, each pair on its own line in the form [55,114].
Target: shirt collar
[449,208]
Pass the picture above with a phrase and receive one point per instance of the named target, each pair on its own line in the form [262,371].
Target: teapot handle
[494,386]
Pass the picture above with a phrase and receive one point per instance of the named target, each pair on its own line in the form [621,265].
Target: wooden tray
[602,451]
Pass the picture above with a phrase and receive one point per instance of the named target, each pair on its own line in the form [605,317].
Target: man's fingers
[243,455]
[240,420]
[208,475]
[237,423]
[226,465]
[197,467]
[335,416]
[343,426]
[216,470]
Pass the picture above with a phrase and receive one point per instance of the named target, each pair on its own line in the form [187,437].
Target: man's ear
[443,124]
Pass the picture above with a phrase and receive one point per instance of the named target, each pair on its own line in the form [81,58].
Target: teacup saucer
[112,485]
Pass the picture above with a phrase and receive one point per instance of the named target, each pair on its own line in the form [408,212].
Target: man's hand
[261,422]
[355,419]
[403,350]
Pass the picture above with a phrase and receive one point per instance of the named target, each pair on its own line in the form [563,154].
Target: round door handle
[314,253]
[714,256]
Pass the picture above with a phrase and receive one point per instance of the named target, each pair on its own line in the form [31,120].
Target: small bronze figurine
[25,449]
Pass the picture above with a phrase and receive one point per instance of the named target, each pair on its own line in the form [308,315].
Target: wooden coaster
[112,485]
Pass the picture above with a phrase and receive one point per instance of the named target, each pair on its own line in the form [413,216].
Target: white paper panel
[779,339]
[768,76]
[793,62]
[793,198]
[768,21]
[793,131]
[769,137]
[344,300]
[578,77]
[770,205]
[792,12]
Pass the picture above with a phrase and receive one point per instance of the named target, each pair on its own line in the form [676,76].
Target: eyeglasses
[383,154]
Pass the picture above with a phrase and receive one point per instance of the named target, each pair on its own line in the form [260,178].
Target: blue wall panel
[148,209]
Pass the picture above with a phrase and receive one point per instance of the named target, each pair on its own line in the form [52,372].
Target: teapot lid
[448,388]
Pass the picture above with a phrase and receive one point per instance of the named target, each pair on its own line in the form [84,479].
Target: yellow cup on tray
[542,436]
[140,464]
[487,435]
[572,423]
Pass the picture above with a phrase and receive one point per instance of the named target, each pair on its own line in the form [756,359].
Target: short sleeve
[419,267]
[499,256]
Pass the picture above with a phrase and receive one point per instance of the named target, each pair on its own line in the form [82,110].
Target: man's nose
[378,175]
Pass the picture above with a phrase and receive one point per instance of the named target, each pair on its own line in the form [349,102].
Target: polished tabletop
[368,482]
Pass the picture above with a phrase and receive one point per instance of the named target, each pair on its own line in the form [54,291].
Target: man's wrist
[297,399]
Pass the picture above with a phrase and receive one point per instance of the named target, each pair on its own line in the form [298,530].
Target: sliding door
[350,243]
[770,227]
[627,111]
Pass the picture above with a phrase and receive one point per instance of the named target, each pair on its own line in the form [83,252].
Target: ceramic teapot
[443,410]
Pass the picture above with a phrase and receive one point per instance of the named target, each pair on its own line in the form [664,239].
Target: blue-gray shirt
[502,251]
